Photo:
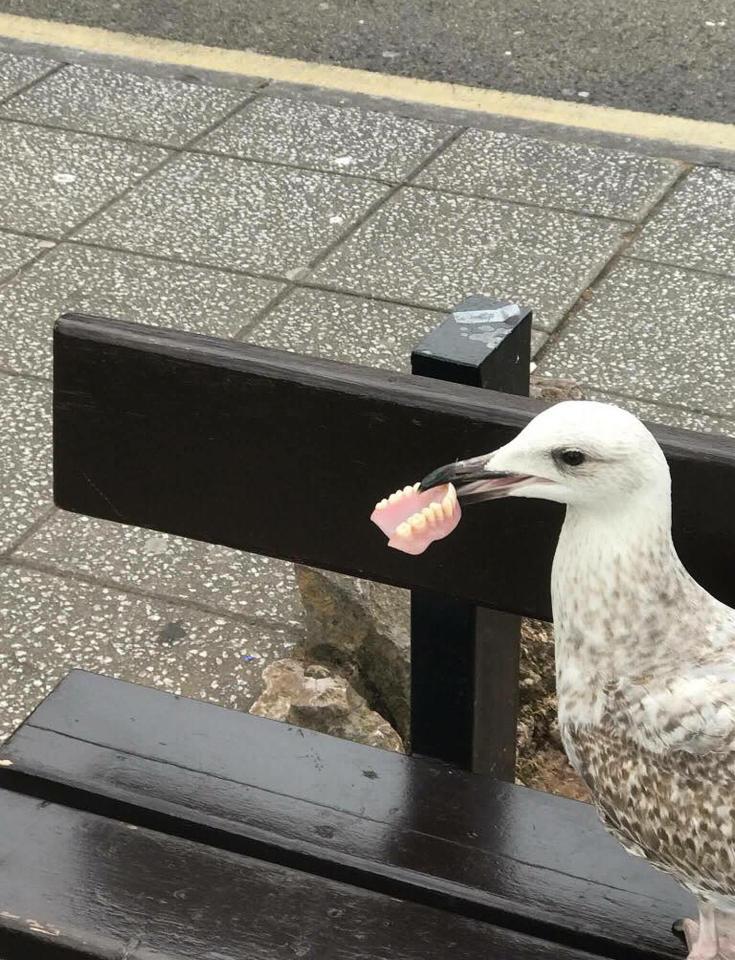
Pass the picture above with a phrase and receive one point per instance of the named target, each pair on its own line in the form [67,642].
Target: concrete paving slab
[350,329]
[50,625]
[230,581]
[669,416]
[609,183]
[435,249]
[695,226]
[16,72]
[16,250]
[25,456]
[225,212]
[656,333]
[100,101]
[341,139]
[126,287]
[51,180]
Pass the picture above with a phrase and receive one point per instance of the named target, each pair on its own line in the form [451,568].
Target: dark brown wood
[283,455]
[417,829]
[465,661]
[464,683]
[497,669]
[74,884]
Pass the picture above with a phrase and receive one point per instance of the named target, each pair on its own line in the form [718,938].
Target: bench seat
[276,835]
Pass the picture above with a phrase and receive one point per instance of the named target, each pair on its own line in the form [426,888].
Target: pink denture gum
[412,520]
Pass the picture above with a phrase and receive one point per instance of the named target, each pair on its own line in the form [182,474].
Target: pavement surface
[662,56]
[282,217]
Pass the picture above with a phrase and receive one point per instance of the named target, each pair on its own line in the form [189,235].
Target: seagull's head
[580,453]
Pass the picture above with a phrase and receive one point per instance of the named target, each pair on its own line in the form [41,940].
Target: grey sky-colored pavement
[288,219]
[663,56]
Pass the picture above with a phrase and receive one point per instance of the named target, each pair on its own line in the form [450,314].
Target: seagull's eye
[572,458]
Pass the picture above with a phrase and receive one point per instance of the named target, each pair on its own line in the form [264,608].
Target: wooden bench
[138,825]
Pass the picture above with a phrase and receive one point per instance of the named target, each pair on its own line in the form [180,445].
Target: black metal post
[464,659]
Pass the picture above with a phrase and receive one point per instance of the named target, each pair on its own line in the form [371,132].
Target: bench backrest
[285,456]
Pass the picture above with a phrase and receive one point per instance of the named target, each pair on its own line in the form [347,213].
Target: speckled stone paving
[350,329]
[124,105]
[49,625]
[695,227]
[609,183]
[51,180]
[17,72]
[15,251]
[187,246]
[25,456]
[667,415]
[346,140]
[213,576]
[435,249]
[538,339]
[232,213]
[654,333]
[126,286]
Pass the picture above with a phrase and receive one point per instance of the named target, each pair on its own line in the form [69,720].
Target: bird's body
[645,656]
[646,687]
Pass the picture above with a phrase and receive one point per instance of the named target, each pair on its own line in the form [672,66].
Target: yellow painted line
[631,123]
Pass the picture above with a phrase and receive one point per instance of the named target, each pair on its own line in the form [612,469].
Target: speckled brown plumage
[646,680]
[655,806]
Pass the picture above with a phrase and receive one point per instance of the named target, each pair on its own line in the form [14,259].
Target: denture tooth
[416,486]
[437,511]
[403,529]
[407,490]
[382,505]
[428,513]
[394,496]
[418,522]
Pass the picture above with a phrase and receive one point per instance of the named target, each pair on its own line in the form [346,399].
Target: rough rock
[313,697]
[363,630]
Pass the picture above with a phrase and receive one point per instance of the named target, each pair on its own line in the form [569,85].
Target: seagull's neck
[617,584]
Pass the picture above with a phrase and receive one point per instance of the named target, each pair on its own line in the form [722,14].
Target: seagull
[645,656]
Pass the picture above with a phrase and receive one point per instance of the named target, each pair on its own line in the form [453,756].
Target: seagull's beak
[475,480]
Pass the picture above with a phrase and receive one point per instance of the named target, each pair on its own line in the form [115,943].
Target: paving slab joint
[350,231]
[171,155]
[172,599]
[626,241]
[30,531]
[32,83]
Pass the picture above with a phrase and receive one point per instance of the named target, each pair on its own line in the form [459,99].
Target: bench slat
[414,828]
[75,884]
[285,456]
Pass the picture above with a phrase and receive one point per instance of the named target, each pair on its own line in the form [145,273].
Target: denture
[413,520]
